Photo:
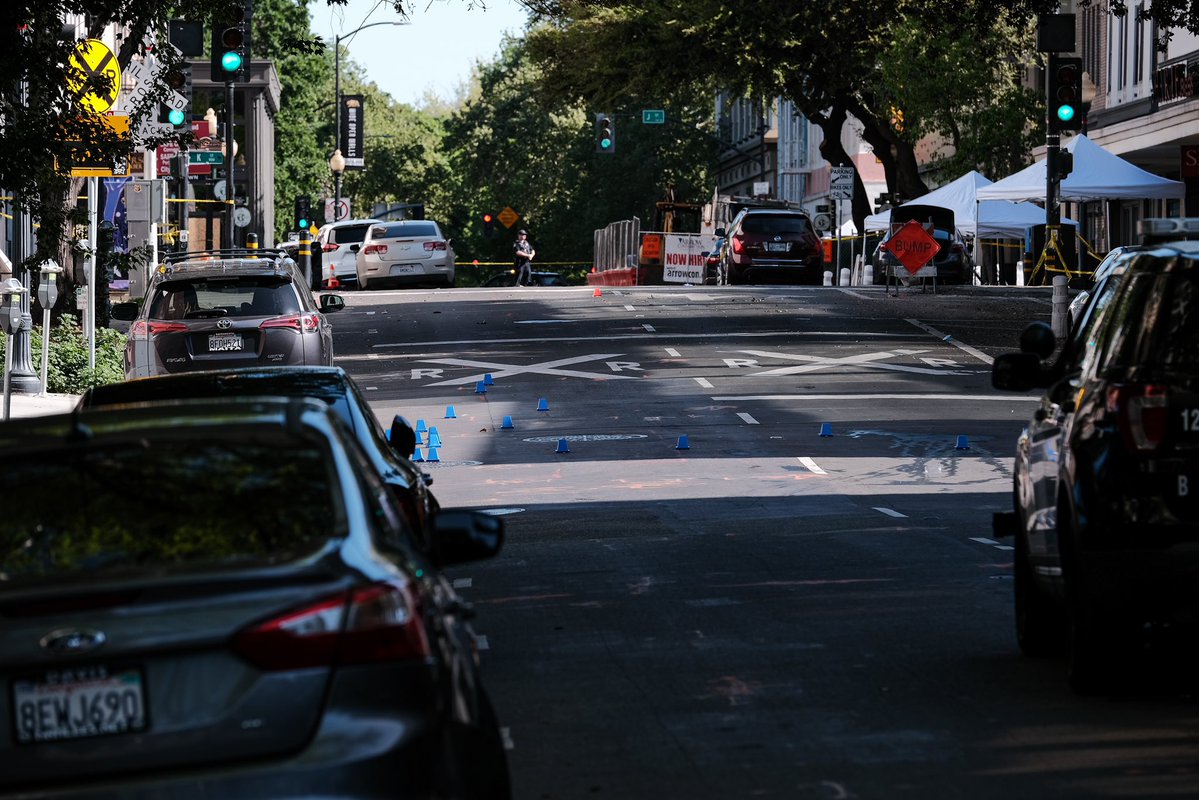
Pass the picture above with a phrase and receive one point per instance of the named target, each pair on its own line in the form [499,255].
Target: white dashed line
[372,355]
[481,642]
[649,328]
[670,351]
[890,512]
[965,348]
[811,465]
[629,308]
[747,418]
[463,583]
[991,542]
[372,388]
[704,382]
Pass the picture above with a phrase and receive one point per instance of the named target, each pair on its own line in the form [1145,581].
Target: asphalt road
[770,612]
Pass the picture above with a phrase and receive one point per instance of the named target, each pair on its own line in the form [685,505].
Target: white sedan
[413,251]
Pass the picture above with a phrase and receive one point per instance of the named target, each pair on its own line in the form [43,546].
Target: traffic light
[303,213]
[231,45]
[1065,164]
[1065,93]
[179,78]
[605,134]
[488,224]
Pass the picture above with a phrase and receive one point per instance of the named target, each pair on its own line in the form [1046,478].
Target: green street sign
[653,116]
[205,157]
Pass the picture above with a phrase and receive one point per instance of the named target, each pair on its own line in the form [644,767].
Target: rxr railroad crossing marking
[498,370]
[870,360]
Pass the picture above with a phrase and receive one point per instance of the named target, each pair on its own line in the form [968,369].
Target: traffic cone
[962,444]
[480,387]
[826,429]
[563,446]
[417,456]
[434,438]
[450,413]
[597,292]
[433,456]
[421,427]
[488,380]
[543,405]
[507,425]
[683,443]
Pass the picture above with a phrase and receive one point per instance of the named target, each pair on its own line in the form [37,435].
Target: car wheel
[450,282]
[363,283]
[1039,628]
[1093,653]
[476,763]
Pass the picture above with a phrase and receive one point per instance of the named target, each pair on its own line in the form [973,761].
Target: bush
[67,370]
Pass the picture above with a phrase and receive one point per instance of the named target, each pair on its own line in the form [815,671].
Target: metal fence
[617,245]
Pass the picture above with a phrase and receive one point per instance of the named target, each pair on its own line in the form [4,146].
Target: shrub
[67,370]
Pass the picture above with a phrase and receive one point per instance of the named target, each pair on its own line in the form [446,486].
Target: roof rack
[227,253]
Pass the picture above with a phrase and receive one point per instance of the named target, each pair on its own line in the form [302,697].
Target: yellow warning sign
[509,217]
[99,83]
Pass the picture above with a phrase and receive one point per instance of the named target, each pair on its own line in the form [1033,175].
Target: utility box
[146,200]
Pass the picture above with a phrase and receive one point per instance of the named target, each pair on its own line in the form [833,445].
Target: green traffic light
[303,224]
[231,61]
[605,143]
[1065,113]
[175,116]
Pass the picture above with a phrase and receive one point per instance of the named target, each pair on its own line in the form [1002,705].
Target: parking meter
[47,287]
[10,310]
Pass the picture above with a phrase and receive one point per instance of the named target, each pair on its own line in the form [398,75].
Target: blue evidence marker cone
[826,429]
[434,438]
[417,456]
[433,455]
[481,387]
[563,446]
[683,443]
[450,413]
[421,427]
[962,444]
[507,424]
[488,380]
[543,405]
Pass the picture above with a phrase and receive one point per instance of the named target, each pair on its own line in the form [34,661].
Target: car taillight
[374,248]
[738,244]
[373,624]
[155,328]
[434,245]
[299,322]
[1142,411]
[328,248]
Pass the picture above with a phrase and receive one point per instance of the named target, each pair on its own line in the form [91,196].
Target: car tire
[450,282]
[1093,653]
[475,761]
[1040,631]
[364,284]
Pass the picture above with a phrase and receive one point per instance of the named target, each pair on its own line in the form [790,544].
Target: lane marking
[747,418]
[372,355]
[814,363]
[723,336]
[811,465]
[499,370]
[890,512]
[649,328]
[481,642]
[629,308]
[704,382]
[983,540]
[670,351]
[807,397]
[965,348]
[463,583]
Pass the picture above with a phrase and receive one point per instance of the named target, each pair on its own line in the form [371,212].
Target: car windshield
[169,504]
[404,229]
[771,224]
[237,296]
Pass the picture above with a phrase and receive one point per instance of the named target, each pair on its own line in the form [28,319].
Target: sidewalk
[30,405]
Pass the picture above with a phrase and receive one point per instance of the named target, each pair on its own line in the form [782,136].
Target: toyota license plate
[78,703]
[224,342]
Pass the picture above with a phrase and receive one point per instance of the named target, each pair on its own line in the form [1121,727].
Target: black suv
[1107,522]
[227,308]
[770,244]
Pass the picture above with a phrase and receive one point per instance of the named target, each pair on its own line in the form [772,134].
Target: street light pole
[337,107]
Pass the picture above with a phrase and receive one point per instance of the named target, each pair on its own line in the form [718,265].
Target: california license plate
[78,703]
[403,269]
[778,247]
[224,342]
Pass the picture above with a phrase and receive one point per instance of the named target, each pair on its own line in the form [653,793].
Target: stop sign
[913,246]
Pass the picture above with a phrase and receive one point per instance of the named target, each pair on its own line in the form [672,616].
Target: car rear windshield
[175,504]
[349,234]
[404,229]
[231,296]
[774,223]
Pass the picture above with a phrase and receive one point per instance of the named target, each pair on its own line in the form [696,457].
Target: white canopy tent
[1097,175]
[996,219]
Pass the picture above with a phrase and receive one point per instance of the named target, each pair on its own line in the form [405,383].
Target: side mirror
[402,436]
[721,233]
[1017,372]
[354,248]
[331,303]
[125,312]
[461,536]
[1038,339]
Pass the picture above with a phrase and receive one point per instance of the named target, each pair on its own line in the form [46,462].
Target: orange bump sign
[913,246]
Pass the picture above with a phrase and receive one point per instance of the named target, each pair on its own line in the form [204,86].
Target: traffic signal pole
[227,222]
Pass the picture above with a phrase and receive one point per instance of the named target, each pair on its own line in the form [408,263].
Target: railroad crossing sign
[841,183]
[509,217]
[100,84]
[912,245]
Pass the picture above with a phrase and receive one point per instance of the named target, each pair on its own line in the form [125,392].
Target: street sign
[100,84]
[343,208]
[242,216]
[85,164]
[205,157]
[841,183]
[912,245]
[508,216]
[653,116]
[164,153]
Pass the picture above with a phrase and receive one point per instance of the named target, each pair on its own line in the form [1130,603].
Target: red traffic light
[487,218]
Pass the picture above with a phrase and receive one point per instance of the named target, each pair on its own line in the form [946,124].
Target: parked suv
[762,244]
[1107,522]
[228,308]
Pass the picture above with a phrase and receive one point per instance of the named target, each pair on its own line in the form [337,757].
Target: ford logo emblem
[224,323]
[71,642]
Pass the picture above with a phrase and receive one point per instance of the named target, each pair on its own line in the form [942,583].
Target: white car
[340,242]
[409,251]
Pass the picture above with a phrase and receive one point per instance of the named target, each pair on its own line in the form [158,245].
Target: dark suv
[233,308]
[778,244]
[1111,557]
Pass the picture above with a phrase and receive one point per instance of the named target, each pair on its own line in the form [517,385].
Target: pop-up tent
[997,219]
[1097,175]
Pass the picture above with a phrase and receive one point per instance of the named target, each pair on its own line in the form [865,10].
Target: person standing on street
[524,253]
